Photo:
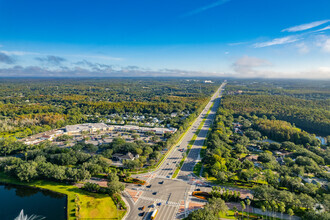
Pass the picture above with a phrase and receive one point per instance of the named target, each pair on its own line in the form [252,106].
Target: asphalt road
[193,155]
[172,193]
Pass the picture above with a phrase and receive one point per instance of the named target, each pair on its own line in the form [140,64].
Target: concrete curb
[127,205]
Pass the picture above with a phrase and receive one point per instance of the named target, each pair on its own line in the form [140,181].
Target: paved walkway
[259,211]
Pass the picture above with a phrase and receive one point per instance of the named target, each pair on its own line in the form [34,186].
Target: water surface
[33,201]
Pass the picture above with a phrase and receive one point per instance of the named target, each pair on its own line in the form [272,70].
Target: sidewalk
[259,211]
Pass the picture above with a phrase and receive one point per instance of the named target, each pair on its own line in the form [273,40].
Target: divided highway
[169,196]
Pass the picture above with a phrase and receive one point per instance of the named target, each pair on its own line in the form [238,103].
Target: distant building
[37,138]
[143,129]
[252,158]
[122,157]
[254,148]
[89,127]
[208,81]
[174,114]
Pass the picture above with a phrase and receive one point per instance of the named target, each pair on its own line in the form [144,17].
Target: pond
[42,203]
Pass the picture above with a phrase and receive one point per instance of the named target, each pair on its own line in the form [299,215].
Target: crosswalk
[163,177]
[160,200]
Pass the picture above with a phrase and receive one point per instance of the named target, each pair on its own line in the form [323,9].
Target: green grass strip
[91,205]
[191,142]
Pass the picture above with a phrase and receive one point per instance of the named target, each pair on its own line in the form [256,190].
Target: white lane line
[170,213]
[162,211]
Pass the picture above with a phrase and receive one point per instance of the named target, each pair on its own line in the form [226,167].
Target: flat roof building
[89,127]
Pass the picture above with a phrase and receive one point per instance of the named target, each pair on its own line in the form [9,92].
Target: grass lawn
[92,205]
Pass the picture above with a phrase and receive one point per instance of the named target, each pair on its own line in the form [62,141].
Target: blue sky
[242,38]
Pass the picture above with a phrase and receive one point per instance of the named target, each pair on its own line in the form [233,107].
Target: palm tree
[248,202]
[282,208]
[290,212]
[235,211]
[243,207]
[263,209]
[275,209]
[266,208]
[269,208]
[273,204]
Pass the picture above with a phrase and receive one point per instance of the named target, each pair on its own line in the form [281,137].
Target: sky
[186,38]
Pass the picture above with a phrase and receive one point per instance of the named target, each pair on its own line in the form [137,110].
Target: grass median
[191,142]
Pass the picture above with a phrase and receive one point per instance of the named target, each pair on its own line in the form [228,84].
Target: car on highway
[151,206]
[161,182]
[159,204]
[154,193]
[149,186]
[198,189]
[143,207]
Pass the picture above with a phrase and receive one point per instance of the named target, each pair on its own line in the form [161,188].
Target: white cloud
[323,42]
[324,29]
[326,45]
[322,72]
[246,65]
[204,8]
[252,67]
[304,27]
[324,69]
[96,57]
[18,53]
[237,43]
[277,41]
[303,48]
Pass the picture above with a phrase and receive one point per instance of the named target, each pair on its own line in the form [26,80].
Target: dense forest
[30,106]
[304,103]
[261,140]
